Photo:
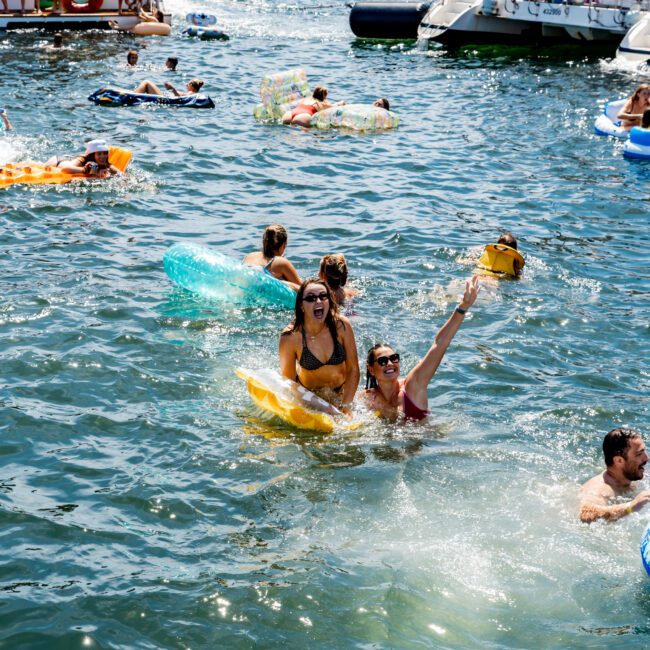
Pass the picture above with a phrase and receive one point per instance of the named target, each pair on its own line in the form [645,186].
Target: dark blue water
[143,500]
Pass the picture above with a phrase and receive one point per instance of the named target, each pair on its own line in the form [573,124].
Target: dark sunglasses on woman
[383,361]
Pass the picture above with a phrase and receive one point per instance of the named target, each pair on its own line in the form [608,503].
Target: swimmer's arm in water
[593,506]
[288,355]
[417,381]
[352,372]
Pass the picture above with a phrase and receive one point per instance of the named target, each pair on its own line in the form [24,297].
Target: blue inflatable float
[111,96]
[607,123]
[638,146]
[645,550]
[214,275]
[203,26]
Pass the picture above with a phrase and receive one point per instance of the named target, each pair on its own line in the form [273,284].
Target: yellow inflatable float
[290,401]
[499,260]
[36,173]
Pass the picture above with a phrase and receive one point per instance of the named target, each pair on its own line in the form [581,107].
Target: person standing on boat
[625,459]
[318,349]
[635,106]
[271,258]
[391,397]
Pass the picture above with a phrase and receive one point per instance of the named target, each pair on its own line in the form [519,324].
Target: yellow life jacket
[499,260]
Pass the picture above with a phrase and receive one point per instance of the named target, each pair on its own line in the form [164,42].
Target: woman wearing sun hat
[93,162]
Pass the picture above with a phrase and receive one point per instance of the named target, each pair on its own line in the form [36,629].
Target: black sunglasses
[313,297]
[383,361]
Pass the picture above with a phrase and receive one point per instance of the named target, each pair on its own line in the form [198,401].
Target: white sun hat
[96,145]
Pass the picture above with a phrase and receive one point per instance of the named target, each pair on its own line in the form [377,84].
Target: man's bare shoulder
[598,488]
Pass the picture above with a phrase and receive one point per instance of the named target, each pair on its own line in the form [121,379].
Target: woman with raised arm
[318,349]
[389,395]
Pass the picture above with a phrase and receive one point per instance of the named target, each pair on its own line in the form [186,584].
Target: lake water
[146,504]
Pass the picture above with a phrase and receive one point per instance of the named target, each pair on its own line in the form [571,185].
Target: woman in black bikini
[319,332]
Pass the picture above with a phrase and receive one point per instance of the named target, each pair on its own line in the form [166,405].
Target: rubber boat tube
[638,146]
[608,123]
[387,20]
[111,96]
[151,29]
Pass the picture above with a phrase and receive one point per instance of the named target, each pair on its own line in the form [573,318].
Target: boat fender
[73,7]
[500,260]
[388,20]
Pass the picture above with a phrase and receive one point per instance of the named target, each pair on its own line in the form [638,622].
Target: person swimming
[502,259]
[318,349]
[5,120]
[334,271]
[271,258]
[387,394]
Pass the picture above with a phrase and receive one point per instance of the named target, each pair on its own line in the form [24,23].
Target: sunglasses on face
[313,297]
[383,361]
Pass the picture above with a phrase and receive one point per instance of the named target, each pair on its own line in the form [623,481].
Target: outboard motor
[387,20]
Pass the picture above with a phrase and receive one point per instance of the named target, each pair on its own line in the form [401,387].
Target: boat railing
[45,7]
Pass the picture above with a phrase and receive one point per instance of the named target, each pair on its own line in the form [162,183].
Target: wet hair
[334,269]
[332,313]
[382,102]
[638,91]
[196,84]
[160,16]
[319,93]
[371,380]
[58,37]
[508,239]
[274,237]
[616,443]
[171,62]
[130,54]
[645,120]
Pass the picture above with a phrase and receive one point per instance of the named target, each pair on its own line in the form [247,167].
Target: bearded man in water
[625,459]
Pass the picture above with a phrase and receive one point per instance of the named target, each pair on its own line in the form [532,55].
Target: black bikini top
[310,361]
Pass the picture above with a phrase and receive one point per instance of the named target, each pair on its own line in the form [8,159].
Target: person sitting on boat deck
[5,120]
[334,271]
[387,394]
[150,88]
[155,17]
[382,102]
[503,259]
[271,258]
[635,106]
[93,162]
[318,349]
[308,106]
[625,459]
[171,63]
[132,57]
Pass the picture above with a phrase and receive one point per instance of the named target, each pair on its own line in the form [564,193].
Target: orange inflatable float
[36,173]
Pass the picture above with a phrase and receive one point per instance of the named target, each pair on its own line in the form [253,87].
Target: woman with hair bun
[334,271]
[271,258]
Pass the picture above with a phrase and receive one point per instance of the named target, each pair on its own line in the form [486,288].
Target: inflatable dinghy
[203,26]
[638,146]
[111,96]
[214,275]
[358,117]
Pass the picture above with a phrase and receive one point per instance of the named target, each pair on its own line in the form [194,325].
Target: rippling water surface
[144,502]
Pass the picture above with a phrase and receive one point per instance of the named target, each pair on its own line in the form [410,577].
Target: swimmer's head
[382,102]
[383,362]
[334,270]
[314,302]
[171,63]
[58,39]
[508,239]
[160,16]
[132,57]
[97,151]
[624,450]
[274,240]
[642,92]
[320,93]
[195,85]
[645,120]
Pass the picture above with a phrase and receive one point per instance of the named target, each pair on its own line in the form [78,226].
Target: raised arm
[352,373]
[170,87]
[594,506]
[418,379]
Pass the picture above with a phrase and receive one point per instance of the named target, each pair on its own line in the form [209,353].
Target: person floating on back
[625,459]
